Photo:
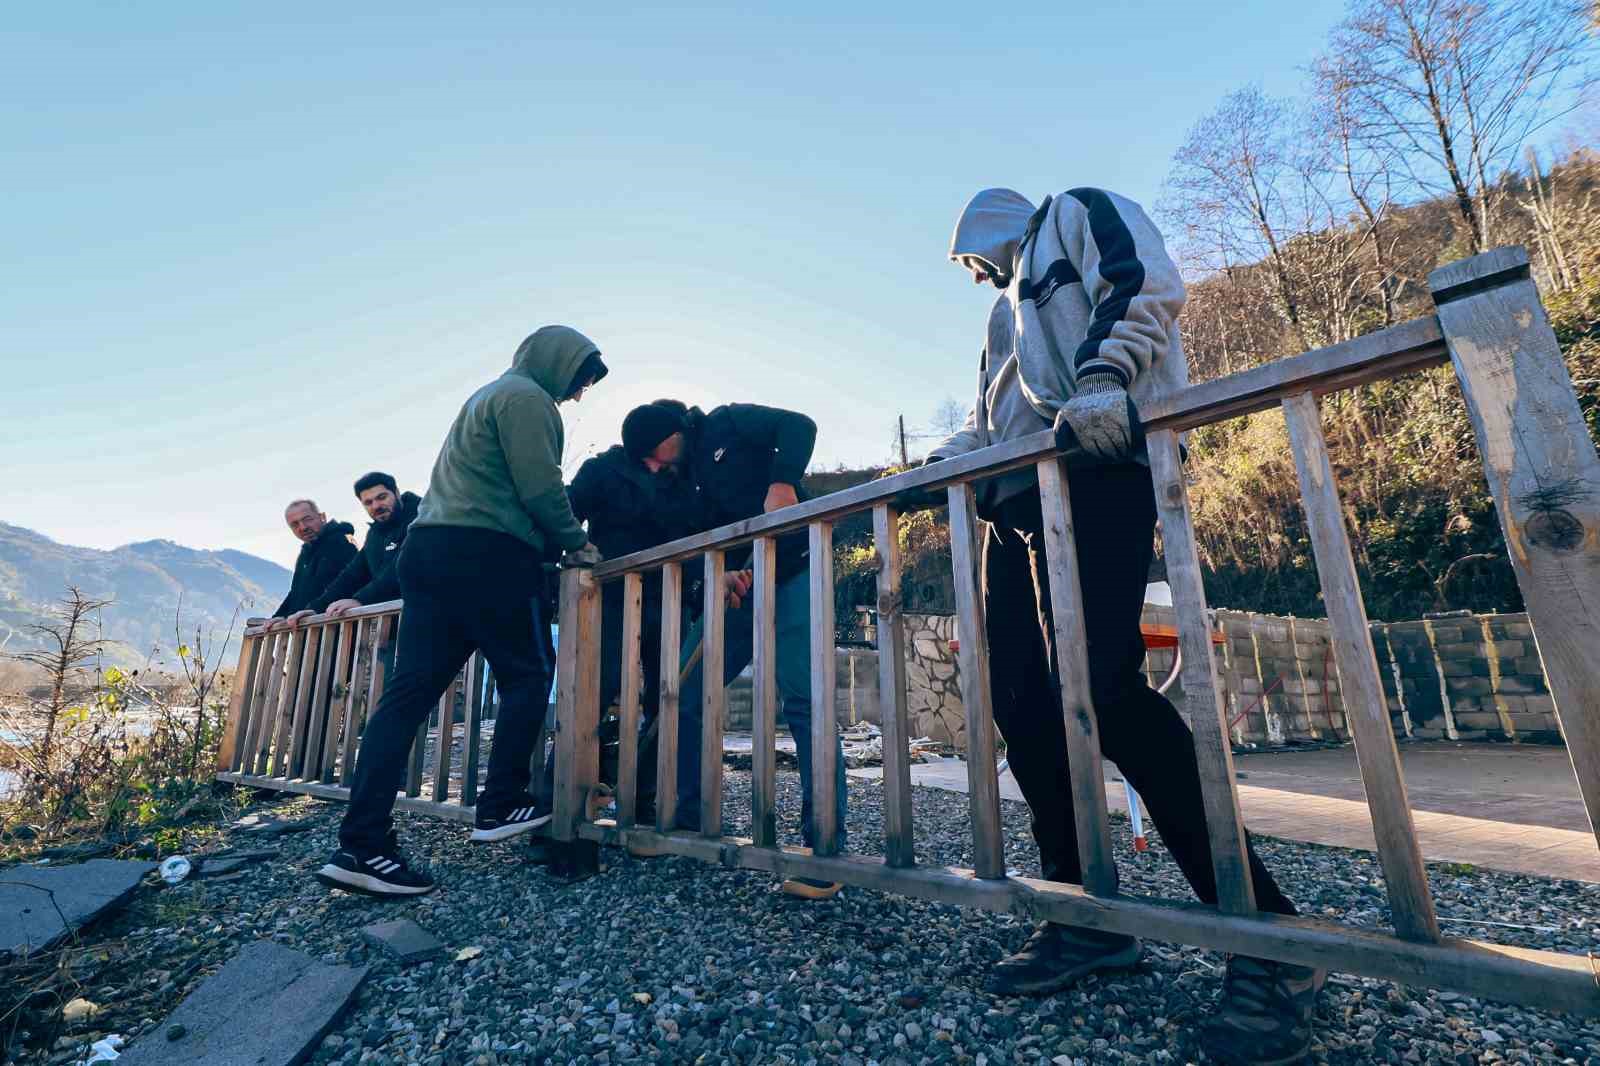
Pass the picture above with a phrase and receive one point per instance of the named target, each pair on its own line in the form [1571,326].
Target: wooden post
[1235,892]
[289,699]
[270,708]
[308,746]
[577,701]
[244,679]
[447,730]
[629,709]
[306,694]
[1072,662]
[268,666]
[892,716]
[983,778]
[1544,476]
[824,739]
[667,697]
[764,696]
[713,696]
[477,682]
[1365,707]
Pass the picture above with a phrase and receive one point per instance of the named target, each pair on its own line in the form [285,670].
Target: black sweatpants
[465,590]
[1113,515]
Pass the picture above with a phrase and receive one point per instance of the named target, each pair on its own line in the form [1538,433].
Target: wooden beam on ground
[1366,708]
[983,778]
[764,694]
[1544,476]
[1071,641]
[824,739]
[1207,714]
[892,716]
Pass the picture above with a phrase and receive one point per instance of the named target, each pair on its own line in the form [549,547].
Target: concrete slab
[405,940]
[268,1006]
[41,904]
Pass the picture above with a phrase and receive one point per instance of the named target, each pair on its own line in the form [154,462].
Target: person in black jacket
[370,577]
[325,548]
[745,460]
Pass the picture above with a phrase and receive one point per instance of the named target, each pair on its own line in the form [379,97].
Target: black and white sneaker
[384,873]
[490,825]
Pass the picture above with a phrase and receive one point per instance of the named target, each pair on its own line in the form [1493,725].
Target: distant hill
[145,583]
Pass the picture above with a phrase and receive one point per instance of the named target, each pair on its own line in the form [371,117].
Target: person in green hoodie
[472,579]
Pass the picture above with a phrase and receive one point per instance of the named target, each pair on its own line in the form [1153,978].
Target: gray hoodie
[1092,291]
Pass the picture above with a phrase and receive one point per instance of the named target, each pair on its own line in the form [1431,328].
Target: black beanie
[647,426]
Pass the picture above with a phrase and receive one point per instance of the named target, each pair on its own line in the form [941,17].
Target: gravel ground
[669,960]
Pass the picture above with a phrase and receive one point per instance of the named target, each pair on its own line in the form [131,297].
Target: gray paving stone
[267,825]
[269,1006]
[218,865]
[405,940]
[41,904]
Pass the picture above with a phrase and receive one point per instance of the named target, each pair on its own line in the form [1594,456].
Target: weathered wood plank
[1544,476]
[477,670]
[667,696]
[983,780]
[308,753]
[270,706]
[577,701]
[240,689]
[1071,639]
[447,732]
[764,695]
[271,666]
[290,699]
[305,695]
[632,691]
[892,714]
[356,695]
[713,695]
[824,711]
[1207,715]
[1365,707]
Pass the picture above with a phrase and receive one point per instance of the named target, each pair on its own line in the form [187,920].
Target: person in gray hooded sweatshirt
[1085,329]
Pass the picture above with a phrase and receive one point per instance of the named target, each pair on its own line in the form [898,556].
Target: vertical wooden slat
[824,711]
[240,690]
[269,707]
[304,696]
[1207,714]
[477,694]
[632,691]
[764,696]
[270,666]
[447,730]
[667,697]
[1072,663]
[1365,707]
[577,701]
[713,696]
[1544,476]
[289,700]
[983,780]
[338,699]
[417,758]
[892,715]
[357,694]
[307,758]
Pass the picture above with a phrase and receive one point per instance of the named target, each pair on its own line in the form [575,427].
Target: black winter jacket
[628,509]
[371,576]
[318,564]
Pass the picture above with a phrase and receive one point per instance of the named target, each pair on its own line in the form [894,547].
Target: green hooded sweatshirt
[500,467]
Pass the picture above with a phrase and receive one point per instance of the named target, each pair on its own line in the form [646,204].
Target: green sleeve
[529,429]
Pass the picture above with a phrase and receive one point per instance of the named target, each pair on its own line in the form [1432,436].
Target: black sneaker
[1264,1016]
[491,825]
[1055,956]
[383,873]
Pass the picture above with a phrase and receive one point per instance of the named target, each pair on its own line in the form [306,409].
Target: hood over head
[552,356]
[991,227]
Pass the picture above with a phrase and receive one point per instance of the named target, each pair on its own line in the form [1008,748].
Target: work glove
[1100,419]
[584,558]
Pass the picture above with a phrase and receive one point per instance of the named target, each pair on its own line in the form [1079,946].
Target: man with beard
[325,549]
[370,577]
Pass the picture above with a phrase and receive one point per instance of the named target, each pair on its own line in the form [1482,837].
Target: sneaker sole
[1056,982]
[339,877]
[506,832]
[811,892]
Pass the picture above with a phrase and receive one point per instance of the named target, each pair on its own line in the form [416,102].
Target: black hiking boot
[1055,956]
[1264,1015]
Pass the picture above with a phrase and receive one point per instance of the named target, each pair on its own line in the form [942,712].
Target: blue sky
[253,251]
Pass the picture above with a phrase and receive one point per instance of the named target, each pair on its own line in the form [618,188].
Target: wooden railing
[1543,473]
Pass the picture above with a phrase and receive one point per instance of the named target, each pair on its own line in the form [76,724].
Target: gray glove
[1100,419]
[583,558]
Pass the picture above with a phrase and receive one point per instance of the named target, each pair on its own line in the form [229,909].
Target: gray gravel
[669,960]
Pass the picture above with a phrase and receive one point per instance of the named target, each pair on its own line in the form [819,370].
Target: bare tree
[67,642]
[948,417]
[1455,87]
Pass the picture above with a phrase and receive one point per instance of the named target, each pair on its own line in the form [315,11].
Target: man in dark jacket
[746,460]
[370,577]
[472,577]
[325,548]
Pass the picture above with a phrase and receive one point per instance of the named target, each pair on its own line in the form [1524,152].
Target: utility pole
[904,458]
